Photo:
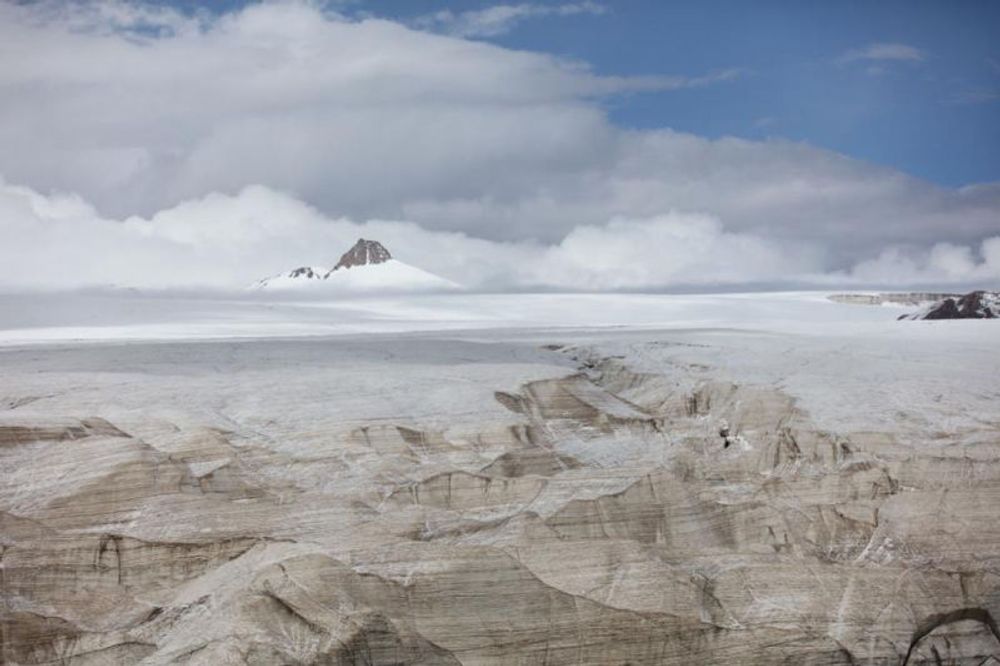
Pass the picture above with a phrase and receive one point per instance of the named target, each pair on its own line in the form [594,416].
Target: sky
[797,78]
[562,145]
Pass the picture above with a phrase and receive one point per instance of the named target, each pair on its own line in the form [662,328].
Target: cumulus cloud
[883,51]
[670,249]
[501,153]
[356,116]
[500,19]
[230,241]
[943,263]
[115,17]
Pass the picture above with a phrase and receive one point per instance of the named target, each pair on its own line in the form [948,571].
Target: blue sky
[567,143]
[936,117]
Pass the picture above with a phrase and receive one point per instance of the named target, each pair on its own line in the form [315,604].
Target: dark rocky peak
[363,253]
[974,305]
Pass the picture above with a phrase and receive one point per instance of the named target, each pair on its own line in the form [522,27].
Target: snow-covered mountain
[367,266]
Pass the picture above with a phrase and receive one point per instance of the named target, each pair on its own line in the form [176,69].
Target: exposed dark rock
[974,305]
[363,253]
[305,272]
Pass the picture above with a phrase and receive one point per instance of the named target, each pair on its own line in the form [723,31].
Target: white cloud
[498,152]
[500,19]
[109,17]
[669,249]
[229,241]
[883,51]
[942,264]
[356,116]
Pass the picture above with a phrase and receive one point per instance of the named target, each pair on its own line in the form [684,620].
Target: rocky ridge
[974,305]
[364,253]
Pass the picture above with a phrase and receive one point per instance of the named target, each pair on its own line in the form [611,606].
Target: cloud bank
[229,241]
[213,149]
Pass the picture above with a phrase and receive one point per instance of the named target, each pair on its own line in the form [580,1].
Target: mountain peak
[378,272]
[363,253]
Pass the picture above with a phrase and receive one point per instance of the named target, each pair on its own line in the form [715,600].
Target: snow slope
[292,279]
[389,275]
[38,318]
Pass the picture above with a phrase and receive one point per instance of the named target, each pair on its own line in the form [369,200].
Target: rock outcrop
[364,253]
[974,305]
[305,272]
